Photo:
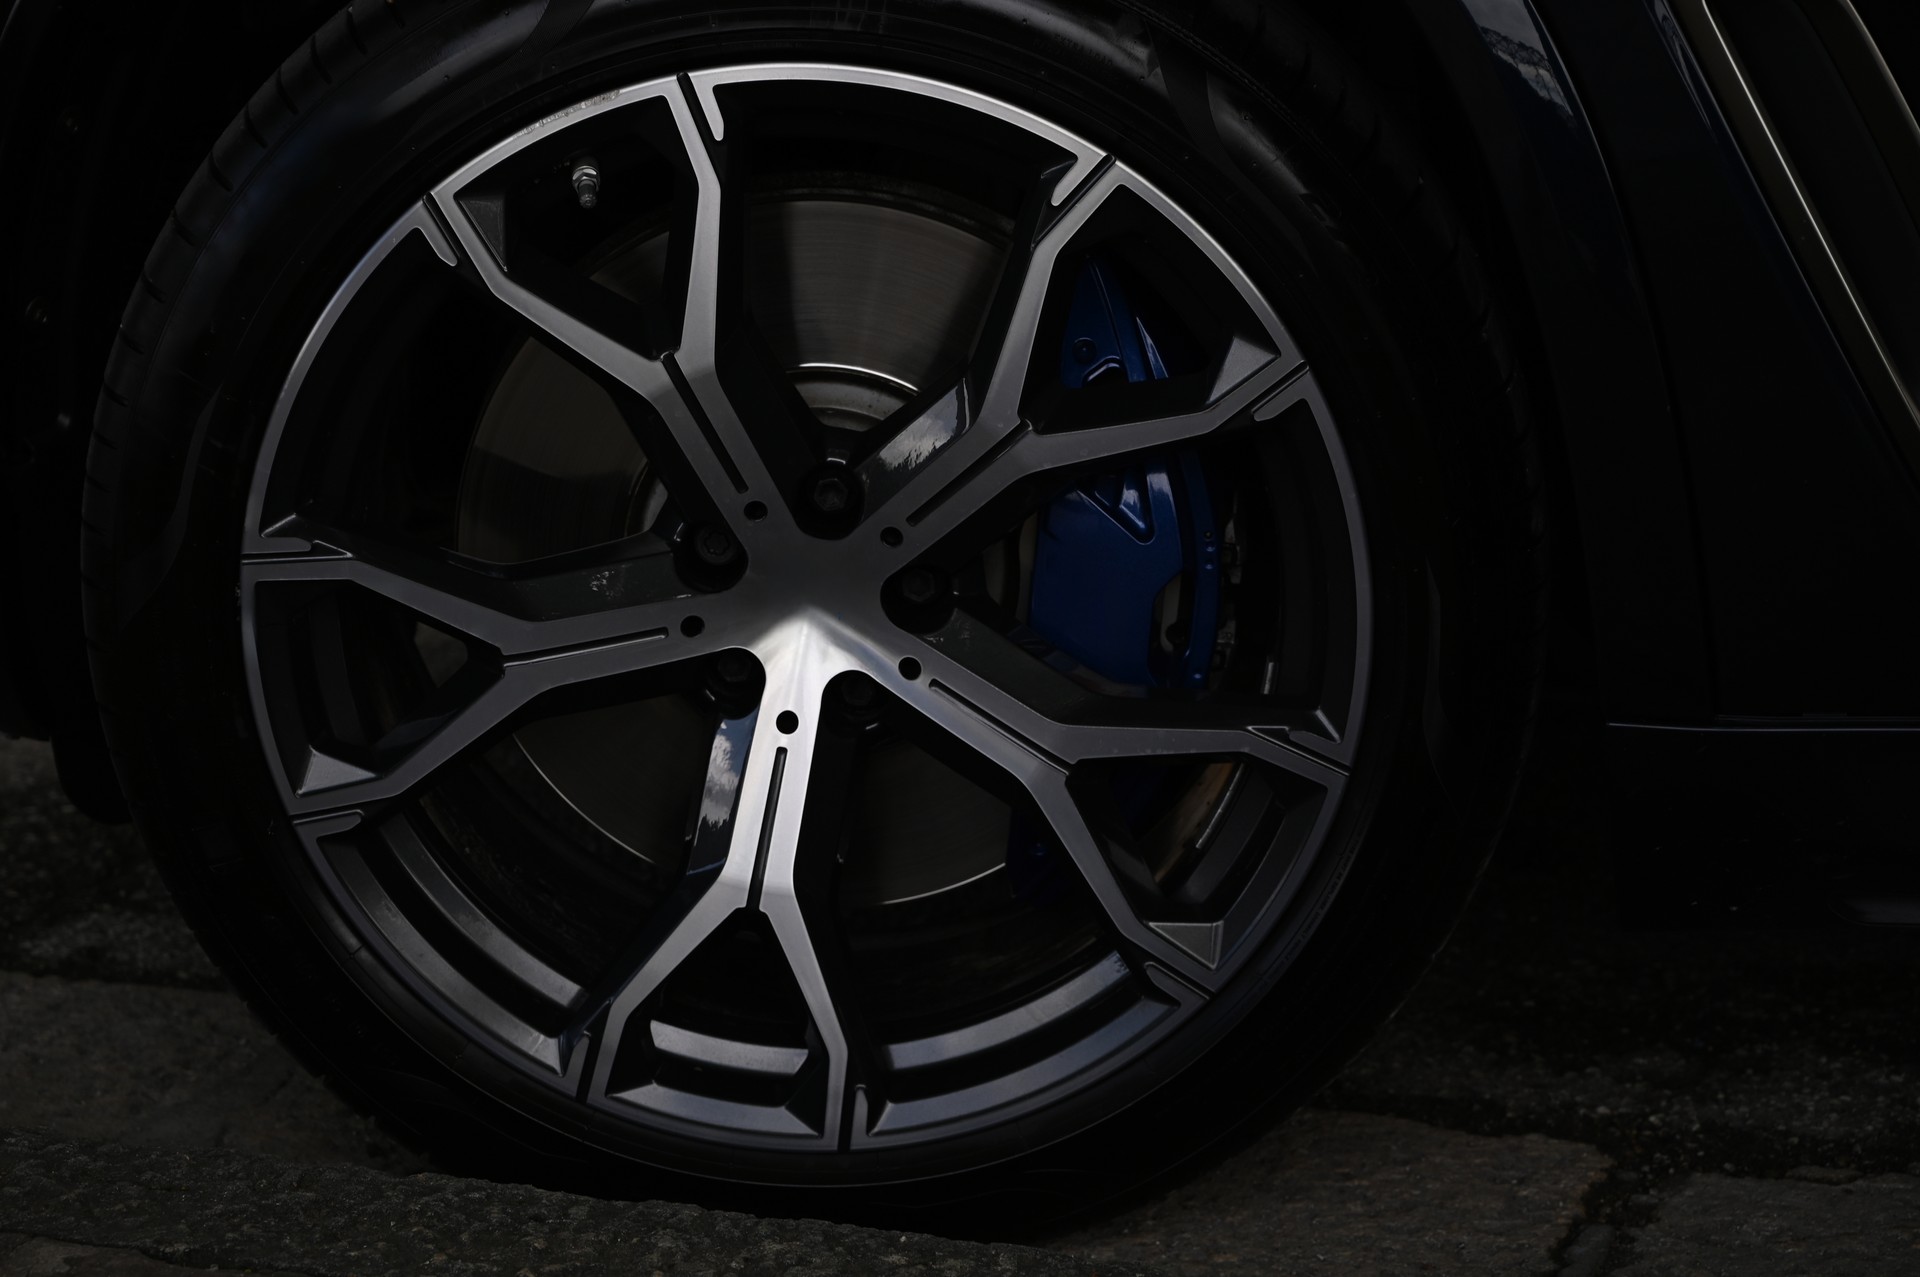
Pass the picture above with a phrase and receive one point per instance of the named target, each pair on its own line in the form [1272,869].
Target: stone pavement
[1555,1098]
[236,1210]
[132,1091]
[1868,1227]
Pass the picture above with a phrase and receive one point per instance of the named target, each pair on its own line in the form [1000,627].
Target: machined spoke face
[1044,741]
[714,452]
[1266,382]
[983,688]
[1198,968]
[716,324]
[526,613]
[974,440]
[839,647]
[982,714]
[754,804]
[981,407]
[524,642]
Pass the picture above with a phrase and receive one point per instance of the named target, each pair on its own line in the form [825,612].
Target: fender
[1530,160]
[1748,527]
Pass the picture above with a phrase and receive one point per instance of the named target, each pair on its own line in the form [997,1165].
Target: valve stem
[586,182]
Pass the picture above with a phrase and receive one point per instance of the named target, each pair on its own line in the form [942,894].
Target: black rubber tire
[1243,106]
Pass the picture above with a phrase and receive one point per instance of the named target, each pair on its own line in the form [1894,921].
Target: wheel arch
[1500,116]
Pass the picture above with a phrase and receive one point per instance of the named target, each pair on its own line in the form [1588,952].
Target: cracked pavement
[1558,1096]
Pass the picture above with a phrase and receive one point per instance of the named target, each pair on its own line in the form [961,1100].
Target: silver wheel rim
[810,609]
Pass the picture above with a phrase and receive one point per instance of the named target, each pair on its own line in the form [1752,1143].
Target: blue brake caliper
[1108,549]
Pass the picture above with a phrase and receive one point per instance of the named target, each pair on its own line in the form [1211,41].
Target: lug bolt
[714,546]
[733,666]
[830,494]
[919,586]
[586,183]
[858,693]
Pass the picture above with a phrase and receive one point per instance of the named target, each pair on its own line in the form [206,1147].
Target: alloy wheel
[781,729]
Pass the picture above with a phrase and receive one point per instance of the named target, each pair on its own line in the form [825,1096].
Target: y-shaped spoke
[649,378]
[716,325]
[947,431]
[1258,389]
[980,685]
[1037,725]
[596,331]
[534,639]
[753,803]
[521,612]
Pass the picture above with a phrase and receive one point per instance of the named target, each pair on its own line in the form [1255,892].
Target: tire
[1381,512]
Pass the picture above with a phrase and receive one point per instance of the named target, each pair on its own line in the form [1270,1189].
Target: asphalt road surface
[1558,1097]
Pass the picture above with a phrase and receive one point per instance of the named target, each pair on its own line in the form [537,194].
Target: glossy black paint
[1807,518]
[1728,508]
[1784,802]
[1603,373]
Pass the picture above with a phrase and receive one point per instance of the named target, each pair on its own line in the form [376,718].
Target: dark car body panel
[1740,524]
[1605,372]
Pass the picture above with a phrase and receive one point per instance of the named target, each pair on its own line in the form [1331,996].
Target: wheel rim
[778,641]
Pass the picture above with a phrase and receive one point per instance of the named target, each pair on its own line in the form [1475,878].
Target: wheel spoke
[1047,785]
[414,752]
[1037,726]
[717,330]
[981,686]
[935,439]
[598,332]
[1044,780]
[537,646]
[1258,389]
[754,803]
[715,883]
[529,610]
